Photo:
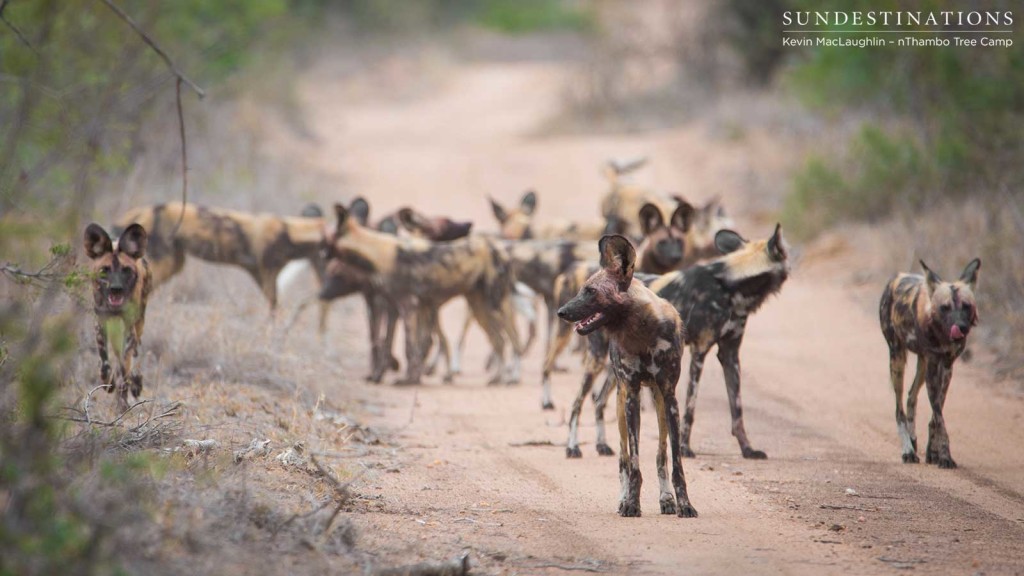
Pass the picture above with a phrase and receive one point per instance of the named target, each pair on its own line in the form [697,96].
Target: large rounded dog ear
[618,258]
[727,241]
[970,273]
[777,249]
[312,210]
[931,278]
[411,220]
[529,202]
[97,241]
[683,216]
[342,215]
[651,219]
[360,210]
[133,241]
[499,211]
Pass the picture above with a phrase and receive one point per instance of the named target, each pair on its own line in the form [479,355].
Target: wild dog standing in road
[120,287]
[646,338]
[518,223]
[261,244]
[931,318]
[662,249]
[715,299]
[419,276]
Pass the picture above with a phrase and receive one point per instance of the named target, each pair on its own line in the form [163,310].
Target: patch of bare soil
[438,471]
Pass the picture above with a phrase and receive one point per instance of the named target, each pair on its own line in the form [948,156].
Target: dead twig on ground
[571,567]
[531,443]
[842,507]
[454,567]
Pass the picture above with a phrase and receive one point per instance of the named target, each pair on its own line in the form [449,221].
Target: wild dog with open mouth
[931,318]
[418,276]
[646,338]
[662,249]
[517,223]
[121,285]
[716,299]
[260,244]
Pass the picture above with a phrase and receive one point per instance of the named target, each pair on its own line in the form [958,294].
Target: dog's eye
[104,272]
[967,307]
[945,308]
[589,290]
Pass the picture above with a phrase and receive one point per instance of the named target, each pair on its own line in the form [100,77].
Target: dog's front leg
[938,375]
[666,497]
[729,356]
[377,310]
[600,399]
[408,309]
[572,447]
[131,350]
[101,348]
[671,404]
[915,389]
[630,400]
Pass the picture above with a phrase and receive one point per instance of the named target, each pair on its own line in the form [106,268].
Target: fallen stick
[454,567]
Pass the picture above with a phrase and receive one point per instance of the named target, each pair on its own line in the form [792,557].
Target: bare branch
[14,28]
[184,158]
[145,38]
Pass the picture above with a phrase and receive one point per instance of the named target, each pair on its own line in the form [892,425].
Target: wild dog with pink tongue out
[932,319]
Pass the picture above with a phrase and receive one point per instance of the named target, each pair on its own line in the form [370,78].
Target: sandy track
[814,364]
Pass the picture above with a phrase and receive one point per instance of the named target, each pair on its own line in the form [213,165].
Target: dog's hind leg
[697,356]
[729,356]
[412,320]
[624,464]
[594,362]
[915,389]
[456,366]
[938,375]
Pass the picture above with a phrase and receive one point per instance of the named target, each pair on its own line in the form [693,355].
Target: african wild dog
[435,228]
[664,245]
[662,249]
[716,299]
[518,223]
[121,285]
[932,319]
[646,337]
[261,244]
[418,276]
[707,221]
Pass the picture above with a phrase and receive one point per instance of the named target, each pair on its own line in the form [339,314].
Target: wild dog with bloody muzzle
[931,318]
[646,337]
[121,285]
[260,244]
[715,299]
[418,276]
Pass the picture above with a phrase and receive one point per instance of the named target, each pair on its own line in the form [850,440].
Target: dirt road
[483,468]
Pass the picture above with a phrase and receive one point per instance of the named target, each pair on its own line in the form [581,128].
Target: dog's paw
[393,364]
[751,454]
[668,505]
[136,385]
[105,373]
[910,458]
[629,509]
[494,381]
[945,462]
[448,378]
[686,510]
[547,405]
[687,452]
[605,450]
[573,452]
[407,382]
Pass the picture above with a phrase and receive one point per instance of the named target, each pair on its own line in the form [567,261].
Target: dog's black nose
[562,313]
